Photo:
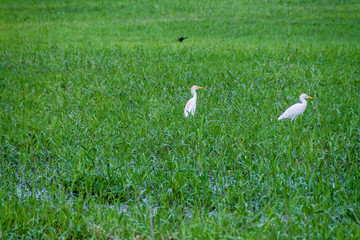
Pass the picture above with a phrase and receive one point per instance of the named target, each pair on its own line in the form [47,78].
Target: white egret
[296,109]
[190,106]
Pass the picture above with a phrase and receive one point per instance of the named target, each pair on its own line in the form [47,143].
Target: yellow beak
[309,97]
[200,87]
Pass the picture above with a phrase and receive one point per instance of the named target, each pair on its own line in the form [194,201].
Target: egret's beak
[200,87]
[309,97]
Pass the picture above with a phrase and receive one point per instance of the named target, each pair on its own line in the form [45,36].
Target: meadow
[94,144]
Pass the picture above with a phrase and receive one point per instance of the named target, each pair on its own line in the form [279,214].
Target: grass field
[94,144]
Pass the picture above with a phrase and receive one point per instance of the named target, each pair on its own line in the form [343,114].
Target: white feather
[190,106]
[295,110]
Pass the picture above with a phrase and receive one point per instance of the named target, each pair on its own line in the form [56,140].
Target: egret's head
[303,96]
[194,88]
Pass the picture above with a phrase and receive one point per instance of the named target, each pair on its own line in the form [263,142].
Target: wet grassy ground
[93,140]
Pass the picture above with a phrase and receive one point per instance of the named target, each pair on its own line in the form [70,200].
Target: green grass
[93,142]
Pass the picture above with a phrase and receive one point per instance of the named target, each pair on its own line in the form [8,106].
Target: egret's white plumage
[296,109]
[190,106]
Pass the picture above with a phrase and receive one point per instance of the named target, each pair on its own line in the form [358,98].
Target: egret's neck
[193,92]
[303,101]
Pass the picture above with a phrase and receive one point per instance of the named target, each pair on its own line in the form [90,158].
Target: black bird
[182,39]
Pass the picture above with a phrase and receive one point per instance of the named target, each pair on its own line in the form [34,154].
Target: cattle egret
[296,109]
[190,106]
